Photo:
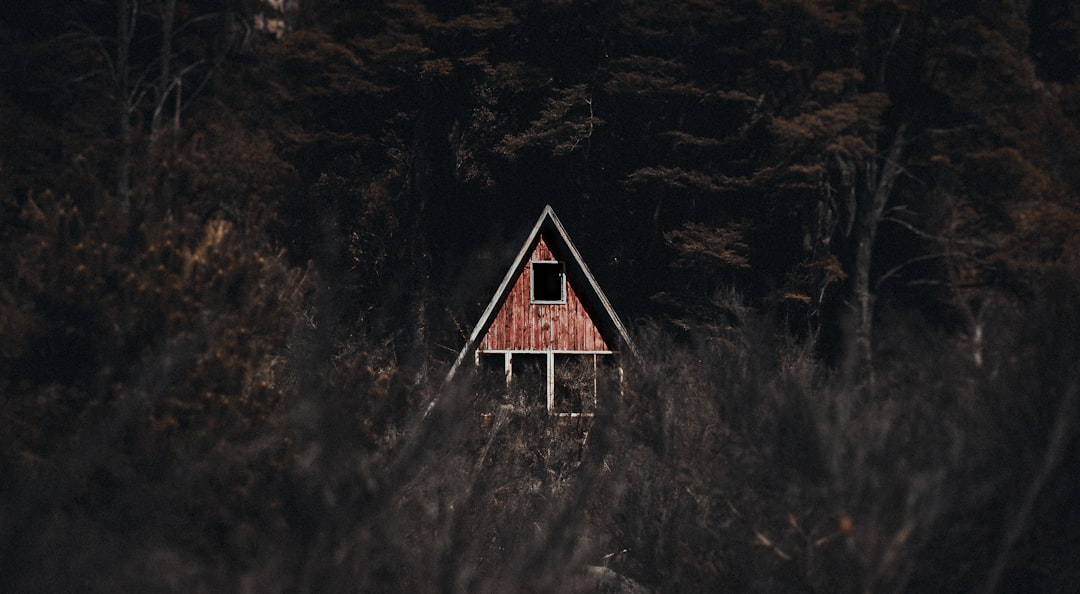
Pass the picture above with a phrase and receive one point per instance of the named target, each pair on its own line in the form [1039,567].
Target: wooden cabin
[549,327]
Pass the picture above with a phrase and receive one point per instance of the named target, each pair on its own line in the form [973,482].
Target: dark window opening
[575,385]
[548,282]
[529,384]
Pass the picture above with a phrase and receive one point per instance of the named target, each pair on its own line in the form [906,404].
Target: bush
[177,419]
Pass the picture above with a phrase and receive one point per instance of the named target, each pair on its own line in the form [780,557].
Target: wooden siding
[524,326]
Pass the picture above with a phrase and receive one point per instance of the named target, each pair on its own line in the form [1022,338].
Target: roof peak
[572,254]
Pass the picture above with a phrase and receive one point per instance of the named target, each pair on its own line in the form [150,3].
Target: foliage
[237,260]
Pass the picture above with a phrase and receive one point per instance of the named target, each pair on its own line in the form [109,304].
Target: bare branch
[895,269]
[930,236]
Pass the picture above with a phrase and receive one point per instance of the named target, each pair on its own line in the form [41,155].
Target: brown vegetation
[232,264]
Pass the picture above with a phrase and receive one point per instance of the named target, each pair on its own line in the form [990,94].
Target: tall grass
[234,444]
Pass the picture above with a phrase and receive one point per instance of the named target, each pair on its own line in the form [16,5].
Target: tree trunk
[165,77]
[125,30]
[880,179]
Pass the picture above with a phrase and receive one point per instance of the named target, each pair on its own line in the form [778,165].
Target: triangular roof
[578,274]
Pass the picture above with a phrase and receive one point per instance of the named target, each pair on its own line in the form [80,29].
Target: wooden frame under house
[549,321]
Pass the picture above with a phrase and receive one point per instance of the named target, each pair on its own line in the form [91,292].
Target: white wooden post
[550,381]
[595,399]
[508,367]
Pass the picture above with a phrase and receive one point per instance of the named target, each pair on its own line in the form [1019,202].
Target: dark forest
[242,241]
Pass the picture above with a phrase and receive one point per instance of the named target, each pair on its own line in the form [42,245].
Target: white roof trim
[511,274]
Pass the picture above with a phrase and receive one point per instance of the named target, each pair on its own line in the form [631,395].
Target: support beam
[508,367]
[595,373]
[550,381]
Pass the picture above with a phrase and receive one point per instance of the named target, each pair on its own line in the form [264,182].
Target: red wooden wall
[523,326]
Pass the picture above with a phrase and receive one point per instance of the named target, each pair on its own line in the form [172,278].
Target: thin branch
[925,235]
[895,269]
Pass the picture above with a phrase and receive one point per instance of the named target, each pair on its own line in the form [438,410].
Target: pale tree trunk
[880,180]
[125,96]
[165,81]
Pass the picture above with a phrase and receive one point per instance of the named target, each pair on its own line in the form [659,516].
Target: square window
[548,282]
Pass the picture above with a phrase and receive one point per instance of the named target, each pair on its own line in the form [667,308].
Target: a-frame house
[549,315]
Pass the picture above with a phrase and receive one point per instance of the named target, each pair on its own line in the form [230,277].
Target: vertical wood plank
[521,325]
